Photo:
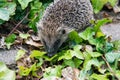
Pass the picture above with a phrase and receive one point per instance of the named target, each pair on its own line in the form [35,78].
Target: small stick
[110,68]
[19,23]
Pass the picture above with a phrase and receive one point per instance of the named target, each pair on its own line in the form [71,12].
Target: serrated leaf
[4,14]
[24,3]
[6,73]
[24,36]
[20,54]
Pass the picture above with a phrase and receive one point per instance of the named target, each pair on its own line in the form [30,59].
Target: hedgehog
[59,19]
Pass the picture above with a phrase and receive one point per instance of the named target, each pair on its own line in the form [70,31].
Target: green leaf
[113,2]
[83,75]
[24,3]
[77,53]
[23,71]
[8,45]
[94,54]
[67,55]
[36,13]
[6,73]
[88,63]
[4,14]
[87,34]
[53,71]
[118,73]
[24,36]
[73,62]
[112,56]
[99,77]
[37,54]
[20,54]
[10,39]
[75,37]
[98,4]
[1,21]
[116,45]
[11,7]
[2,3]
[100,23]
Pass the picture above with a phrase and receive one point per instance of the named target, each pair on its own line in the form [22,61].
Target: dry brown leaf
[70,73]
[32,43]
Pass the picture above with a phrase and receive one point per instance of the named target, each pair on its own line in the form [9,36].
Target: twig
[110,68]
[19,23]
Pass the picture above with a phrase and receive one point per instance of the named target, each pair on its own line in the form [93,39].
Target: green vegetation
[91,52]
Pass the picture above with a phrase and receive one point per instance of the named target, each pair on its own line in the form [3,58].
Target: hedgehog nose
[50,52]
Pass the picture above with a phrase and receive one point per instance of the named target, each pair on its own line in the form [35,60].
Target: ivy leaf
[77,53]
[88,63]
[4,14]
[24,36]
[11,7]
[99,77]
[87,34]
[83,75]
[37,54]
[75,37]
[112,2]
[20,54]
[112,56]
[116,45]
[67,55]
[26,71]
[73,62]
[24,3]
[49,72]
[100,23]
[98,5]
[94,54]
[36,13]
[6,73]
[10,39]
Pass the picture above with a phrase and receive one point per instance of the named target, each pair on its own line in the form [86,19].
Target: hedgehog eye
[63,31]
